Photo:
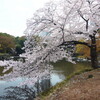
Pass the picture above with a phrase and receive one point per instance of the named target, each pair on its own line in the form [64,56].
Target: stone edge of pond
[58,86]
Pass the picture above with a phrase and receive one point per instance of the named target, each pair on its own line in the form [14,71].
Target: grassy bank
[81,86]
[58,86]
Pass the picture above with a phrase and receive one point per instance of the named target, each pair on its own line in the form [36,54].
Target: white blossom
[60,21]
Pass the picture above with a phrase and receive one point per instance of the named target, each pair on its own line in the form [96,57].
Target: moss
[82,71]
[90,76]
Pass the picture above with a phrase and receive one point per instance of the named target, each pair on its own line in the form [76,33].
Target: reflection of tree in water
[19,93]
[63,66]
[45,84]
[25,92]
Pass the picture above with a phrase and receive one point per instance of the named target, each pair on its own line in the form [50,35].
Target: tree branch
[86,20]
[74,43]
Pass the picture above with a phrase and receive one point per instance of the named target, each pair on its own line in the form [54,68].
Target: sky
[14,14]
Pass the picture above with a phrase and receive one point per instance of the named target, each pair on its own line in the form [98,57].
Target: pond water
[61,70]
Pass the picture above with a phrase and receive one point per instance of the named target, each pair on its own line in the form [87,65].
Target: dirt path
[81,87]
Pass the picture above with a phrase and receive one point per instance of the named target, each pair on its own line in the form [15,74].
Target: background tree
[19,93]
[7,43]
[19,44]
[10,44]
[84,51]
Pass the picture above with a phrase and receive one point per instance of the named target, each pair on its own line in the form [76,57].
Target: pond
[61,70]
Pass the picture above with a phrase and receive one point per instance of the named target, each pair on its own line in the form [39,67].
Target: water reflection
[61,70]
[63,67]
[19,93]
[56,78]
[5,84]
[25,92]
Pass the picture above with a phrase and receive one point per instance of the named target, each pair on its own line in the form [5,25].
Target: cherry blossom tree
[52,30]
[64,23]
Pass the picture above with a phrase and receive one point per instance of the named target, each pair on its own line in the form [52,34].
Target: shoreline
[78,86]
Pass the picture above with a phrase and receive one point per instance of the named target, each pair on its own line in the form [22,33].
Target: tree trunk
[93,52]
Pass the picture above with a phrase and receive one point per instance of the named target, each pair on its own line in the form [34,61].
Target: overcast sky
[14,13]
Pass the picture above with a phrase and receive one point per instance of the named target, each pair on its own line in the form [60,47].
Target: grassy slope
[85,86]
[61,85]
